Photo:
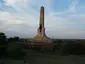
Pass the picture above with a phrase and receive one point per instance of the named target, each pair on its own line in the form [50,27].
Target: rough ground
[35,57]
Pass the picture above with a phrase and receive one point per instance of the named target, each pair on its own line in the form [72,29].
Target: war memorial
[40,39]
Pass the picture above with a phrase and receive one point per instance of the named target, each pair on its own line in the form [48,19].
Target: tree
[73,48]
[59,41]
[3,43]
[11,39]
[3,40]
[16,38]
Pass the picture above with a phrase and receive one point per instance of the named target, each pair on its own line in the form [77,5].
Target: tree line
[4,42]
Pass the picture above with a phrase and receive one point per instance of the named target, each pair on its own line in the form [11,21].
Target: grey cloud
[22,30]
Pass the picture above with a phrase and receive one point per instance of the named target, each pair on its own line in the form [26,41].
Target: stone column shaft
[42,16]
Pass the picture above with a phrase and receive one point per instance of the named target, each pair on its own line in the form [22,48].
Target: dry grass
[17,56]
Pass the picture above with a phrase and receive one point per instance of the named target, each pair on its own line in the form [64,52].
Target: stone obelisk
[41,36]
[41,40]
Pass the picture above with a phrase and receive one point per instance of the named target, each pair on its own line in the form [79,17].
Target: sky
[63,18]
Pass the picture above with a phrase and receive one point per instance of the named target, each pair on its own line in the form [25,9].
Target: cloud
[56,21]
[10,2]
[4,15]
[65,26]
[18,5]
[21,30]
[56,26]
[26,5]
[9,19]
[71,8]
[24,22]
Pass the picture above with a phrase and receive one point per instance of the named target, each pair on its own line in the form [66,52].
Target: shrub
[73,48]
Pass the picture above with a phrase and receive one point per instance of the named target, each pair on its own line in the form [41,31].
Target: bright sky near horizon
[63,18]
